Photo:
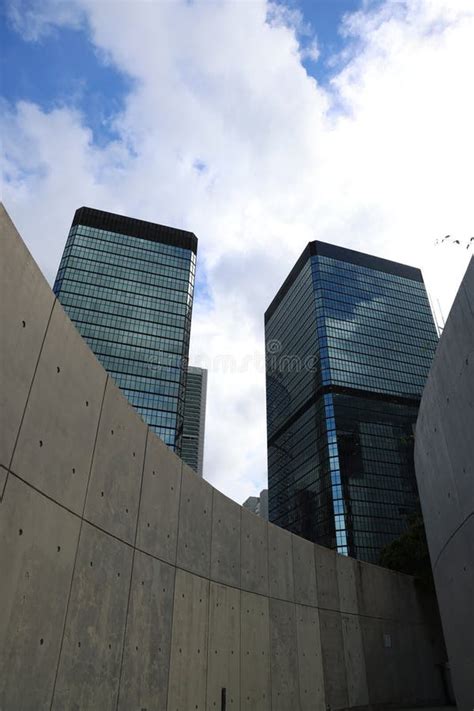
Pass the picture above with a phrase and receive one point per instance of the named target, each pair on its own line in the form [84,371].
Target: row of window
[181,269]
[390,368]
[141,249]
[367,275]
[100,281]
[149,401]
[341,332]
[85,270]
[108,295]
[394,329]
[378,323]
[410,387]
[149,343]
[157,361]
[136,317]
[137,368]
[353,300]
[79,315]
[374,346]
[170,276]
[131,241]
[393,363]
[352,283]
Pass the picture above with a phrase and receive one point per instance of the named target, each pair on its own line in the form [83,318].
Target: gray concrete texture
[444,461]
[128,582]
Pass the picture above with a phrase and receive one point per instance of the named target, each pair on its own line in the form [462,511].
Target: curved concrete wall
[444,460]
[128,582]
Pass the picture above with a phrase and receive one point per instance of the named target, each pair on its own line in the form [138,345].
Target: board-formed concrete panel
[89,668]
[195,517]
[280,563]
[145,670]
[159,505]
[424,677]
[380,644]
[284,656]
[444,513]
[114,488]
[412,604]
[326,578]
[223,669]
[310,661]
[255,686]
[38,544]
[57,436]
[26,302]
[346,579]
[254,553]
[455,393]
[304,571]
[187,679]
[225,544]
[357,692]
[334,667]
[454,580]
[375,591]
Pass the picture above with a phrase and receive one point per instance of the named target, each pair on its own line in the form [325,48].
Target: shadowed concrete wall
[129,583]
[444,459]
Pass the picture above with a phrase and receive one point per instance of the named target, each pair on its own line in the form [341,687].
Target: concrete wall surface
[444,460]
[129,583]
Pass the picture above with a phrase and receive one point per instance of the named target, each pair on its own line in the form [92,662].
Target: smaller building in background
[194,418]
[258,504]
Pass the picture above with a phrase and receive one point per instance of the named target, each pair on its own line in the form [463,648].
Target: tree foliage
[409,553]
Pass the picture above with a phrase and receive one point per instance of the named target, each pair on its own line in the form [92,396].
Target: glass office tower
[128,287]
[194,418]
[349,343]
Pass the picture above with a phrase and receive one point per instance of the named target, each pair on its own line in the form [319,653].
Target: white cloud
[311,51]
[380,162]
[35,21]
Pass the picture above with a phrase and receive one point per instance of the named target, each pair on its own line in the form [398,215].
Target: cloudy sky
[257,125]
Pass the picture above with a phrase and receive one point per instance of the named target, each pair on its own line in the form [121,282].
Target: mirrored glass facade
[350,339]
[128,287]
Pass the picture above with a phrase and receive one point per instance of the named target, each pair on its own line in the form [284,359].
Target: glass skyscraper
[127,285]
[195,418]
[349,343]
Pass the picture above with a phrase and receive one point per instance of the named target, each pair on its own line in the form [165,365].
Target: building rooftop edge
[343,254]
[121,224]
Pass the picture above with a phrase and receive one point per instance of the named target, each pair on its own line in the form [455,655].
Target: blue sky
[206,115]
[64,68]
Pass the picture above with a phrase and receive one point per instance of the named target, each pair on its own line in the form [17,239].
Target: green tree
[409,553]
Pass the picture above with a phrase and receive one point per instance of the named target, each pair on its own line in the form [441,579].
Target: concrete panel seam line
[77,551]
[26,401]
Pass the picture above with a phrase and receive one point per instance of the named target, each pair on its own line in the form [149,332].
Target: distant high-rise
[194,418]
[258,504]
[127,285]
[349,340]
